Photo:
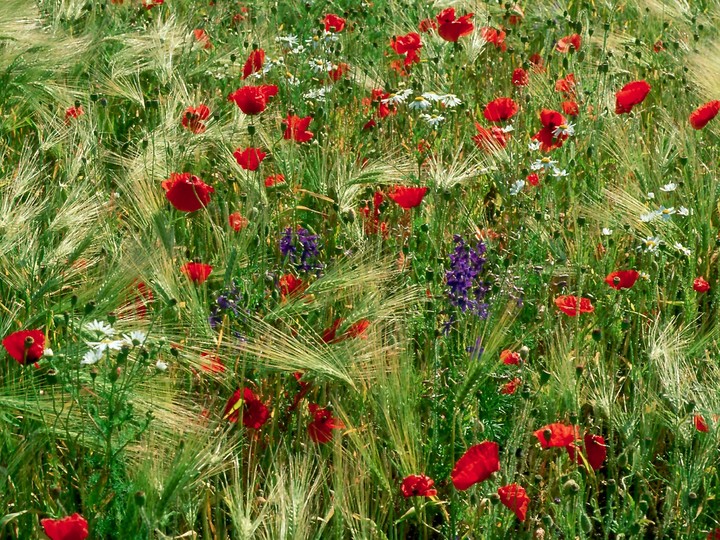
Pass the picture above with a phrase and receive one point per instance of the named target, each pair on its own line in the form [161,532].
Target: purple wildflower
[301,249]
[466,289]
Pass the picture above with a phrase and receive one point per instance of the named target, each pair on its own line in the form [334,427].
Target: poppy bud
[597,334]
[115,374]
[89,308]
[52,375]
[692,496]
[643,505]
[29,342]
[623,460]
[55,491]
[611,485]
[585,524]
[524,352]
[625,324]
[93,373]
[494,498]
[571,487]
[233,57]
[140,498]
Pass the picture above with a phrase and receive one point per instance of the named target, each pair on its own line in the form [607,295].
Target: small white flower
[650,216]
[682,249]
[431,96]
[644,275]
[103,346]
[398,97]
[450,100]
[420,103]
[652,243]
[289,41]
[291,79]
[507,129]
[317,94]
[101,328]
[666,213]
[517,187]
[433,120]
[682,211]
[606,231]
[559,173]
[650,195]
[669,187]
[564,129]
[135,336]
[318,65]
[160,365]
[91,357]
[543,163]
[48,352]
[534,146]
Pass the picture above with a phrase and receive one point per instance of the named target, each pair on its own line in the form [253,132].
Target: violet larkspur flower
[229,301]
[466,289]
[301,249]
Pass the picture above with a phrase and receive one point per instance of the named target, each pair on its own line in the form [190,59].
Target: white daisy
[507,129]
[559,173]
[650,216]
[652,243]
[101,328]
[666,213]
[534,146]
[433,120]
[682,211]
[289,41]
[606,231]
[682,249]
[398,97]
[319,65]
[135,336]
[517,187]
[543,163]
[420,103]
[160,365]
[432,96]
[650,195]
[564,129]
[91,357]
[450,100]
[669,187]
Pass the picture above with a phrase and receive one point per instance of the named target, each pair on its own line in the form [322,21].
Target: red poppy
[490,139]
[237,221]
[452,29]
[500,109]
[408,45]
[700,285]
[25,346]
[333,23]
[713,535]
[476,465]
[250,158]
[143,298]
[358,329]
[187,192]
[337,72]
[622,279]
[573,41]
[73,527]
[254,412]
[537,61]
[509,357]
[494,36]
[511,387]
[290,285]
[274,180]
[516,15]
[700,423]
[202,38]
[197,272]
[570,108]
[254,62]
[149,4]
[329,334]
[704,113]
[572,305]
[426,25]
[304,389]
[211,363]
[515,498]
[418,485]
[73,112]
[533,179]
[551,121]
[193,118]
[630,95]
[296,128]
[407,197]
[566,85]
[320,429]
[557,435]
[253,99]
[520,77]
[594,451]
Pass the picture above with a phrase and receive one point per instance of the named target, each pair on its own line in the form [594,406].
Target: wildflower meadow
[368,269]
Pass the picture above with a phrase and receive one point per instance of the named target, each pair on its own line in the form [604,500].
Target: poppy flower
[336,73]
[494,36]
[490,139]
[630,95]
[511,387]
[25,346]
[358,329]
[254,62]
[333,23]
[509,357]
[250,158]
[548,135]
[476,465]
[407,197]
[290,285]
[418,485]
[566,85]
[296,128]
[515,498]
[237,221]
[73,527]
[557,435]
[143,297]
[73,112]
[409,45]
[700,285]
[254,412]
[704,113]
[202,38]
[622,279]
[714,535]
[426,25]
[193,118]
[516,15]
[573,41]
[533,179]
[570,108]
[149,4]
[520,77]
[253,99]
[211,363]
[572,305]
[274,180]
[197,272]
[329,334]
[594,451]
[451,28]
[500,109]
[700,423]
[320,429]
[187,192]
[304,389]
